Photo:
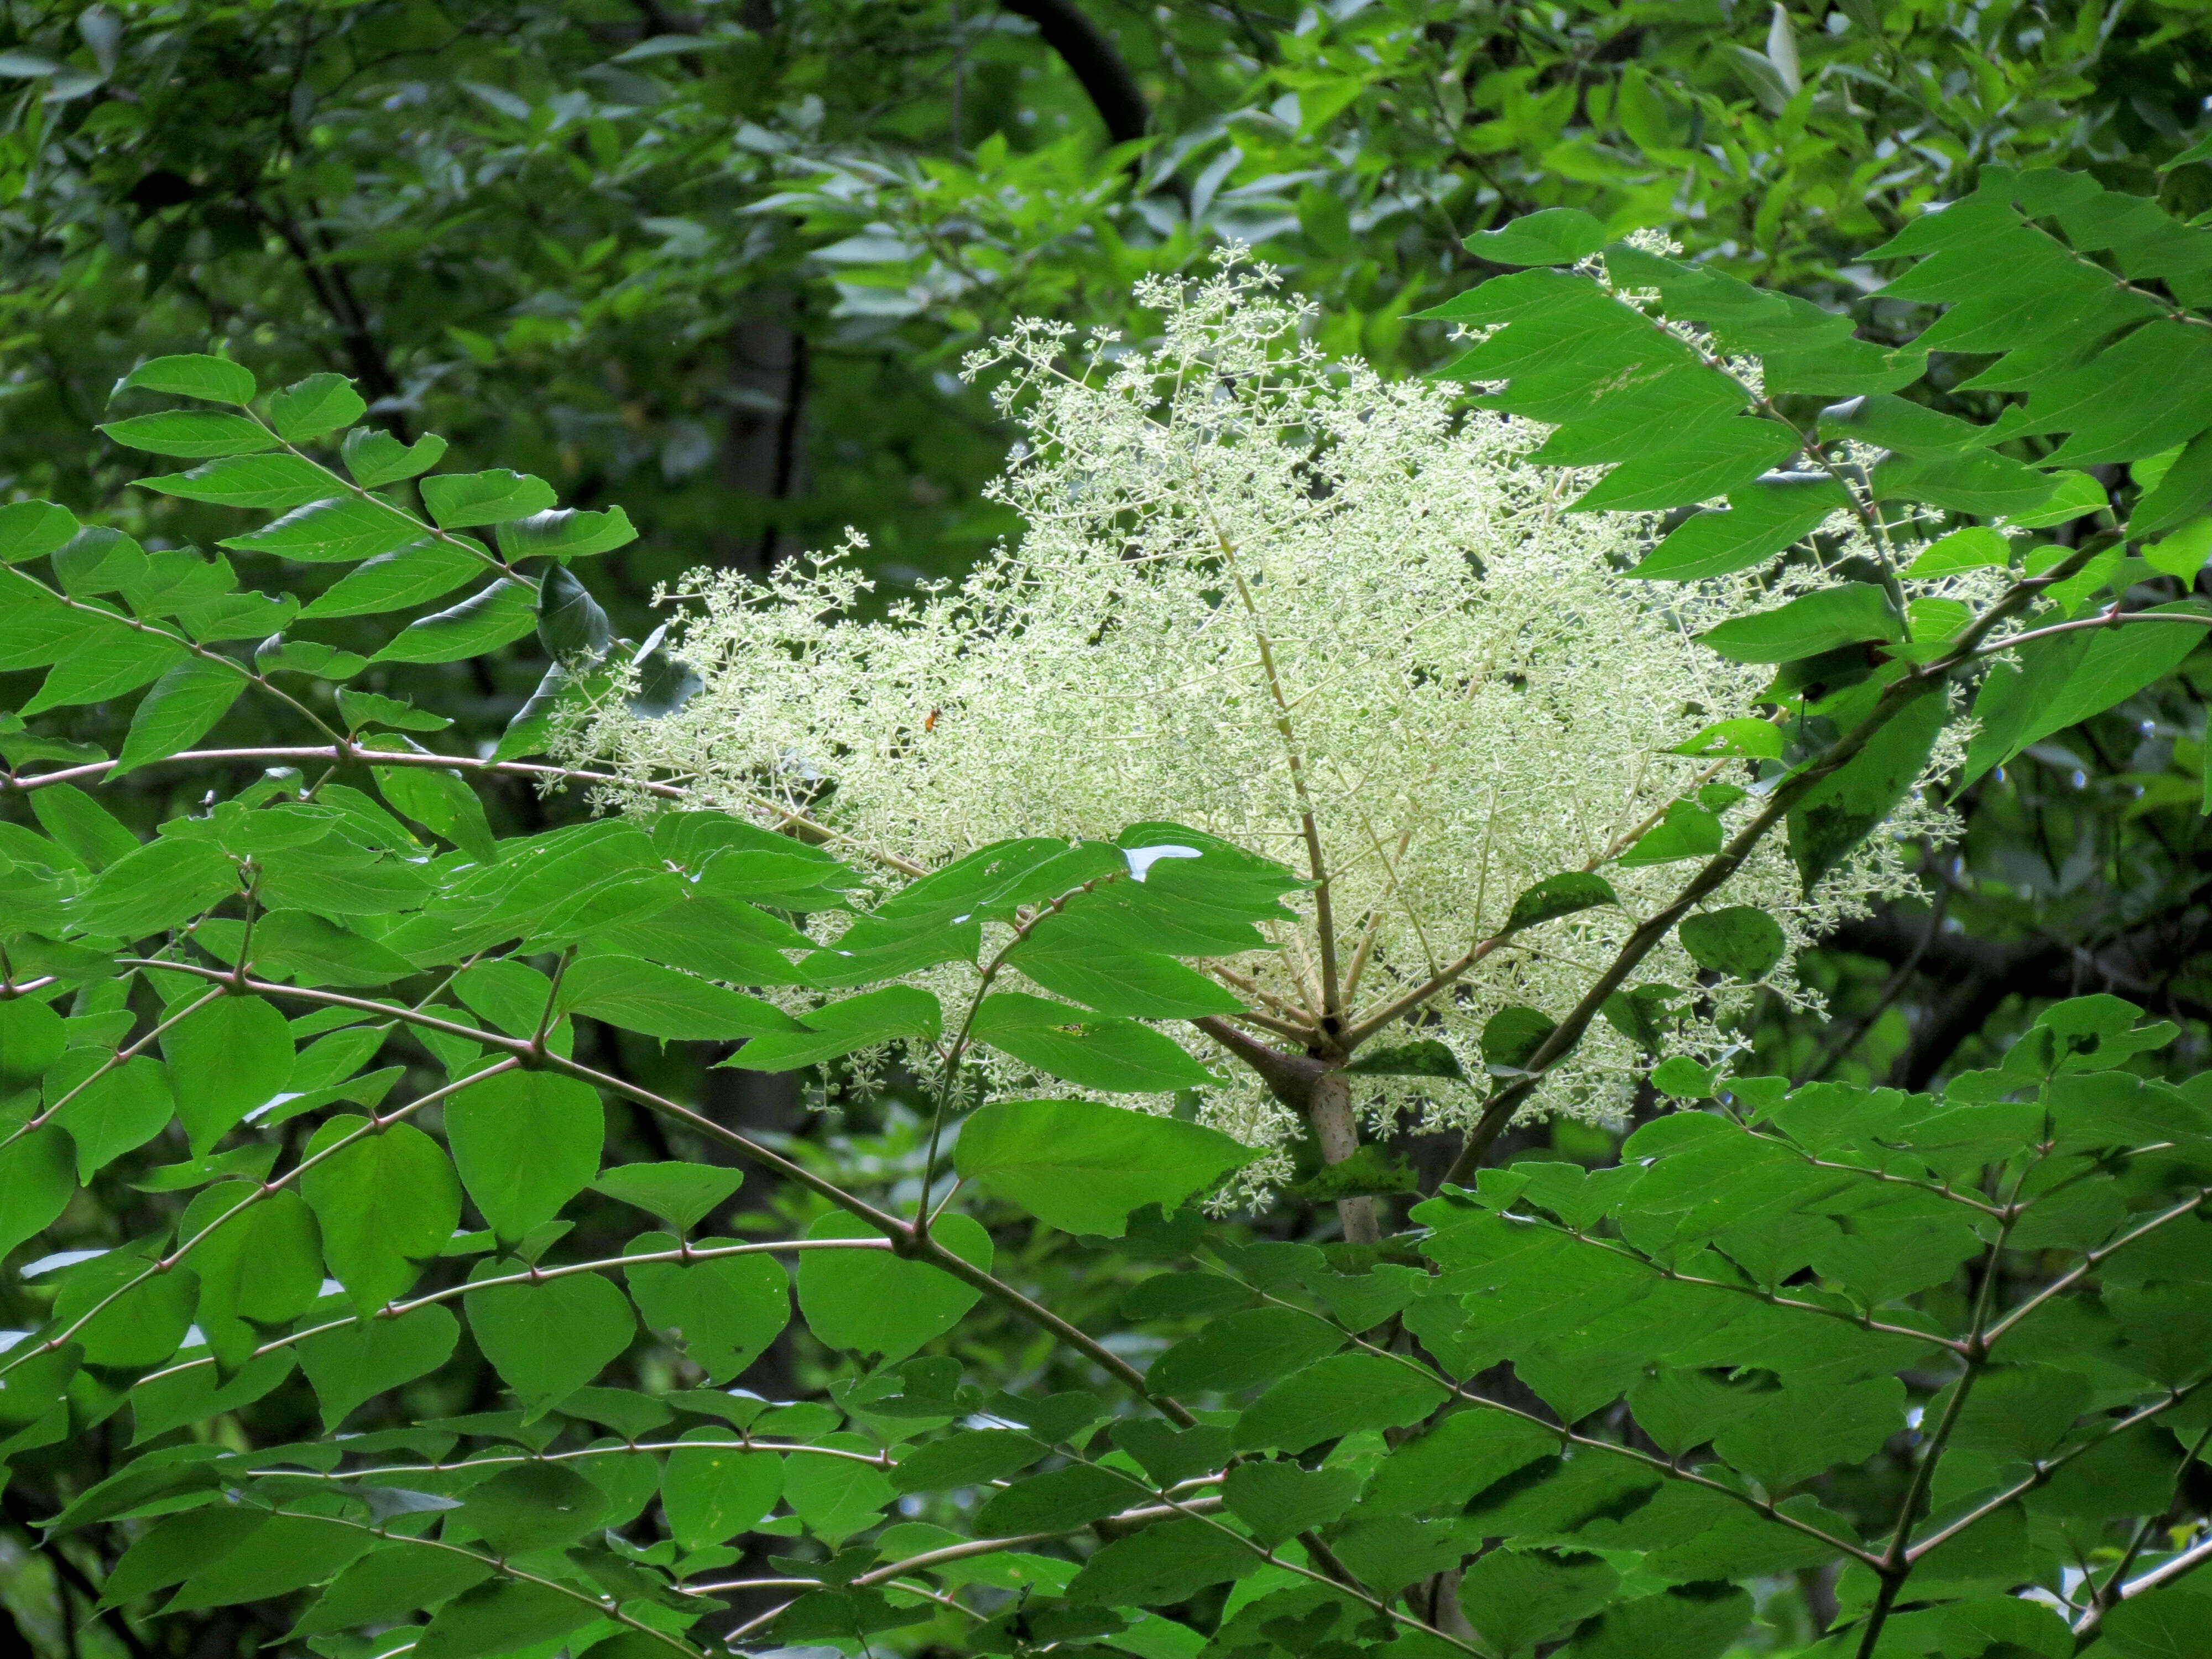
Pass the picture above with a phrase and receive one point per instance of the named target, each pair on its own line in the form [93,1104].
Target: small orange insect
[930,725]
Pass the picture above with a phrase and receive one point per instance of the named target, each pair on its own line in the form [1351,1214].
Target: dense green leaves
[563,1428]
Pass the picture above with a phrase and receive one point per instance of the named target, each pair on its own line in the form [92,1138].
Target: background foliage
[715,264]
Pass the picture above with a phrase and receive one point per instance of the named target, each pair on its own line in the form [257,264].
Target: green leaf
[261,1268]
[2184,553]
[1749,736]
[2167,1624]
[342,530]
[2078,495]
[665,685]
[1842,368]
[1741,941]
[503,1617]
[196,1392]
[1760,521]
[1517,1598]
[275,482]
[1112,1056]
[836,1496]
[570,624]
[839,1028]
[116,1112]
[361,708]
[1893,423]
[180,709]
[415,574]
[105,666]
[2180,493]
[309,408]
[1511,1036]
[1808,625]
[525,1142]
[1083,1167]
[387,1203]
[1096,974]
[483,621]
[1803,1429]
[1712,458]
[726,1308]
[1279,1501]
[29,529]
[363,1358]
[1462,1455]
[548,1339]
[1974,1627]
[1689,1622]
[681,1195]
[174,1547]
[98,559]
[1975,548]
[388,1585]
[1683,1079]
[972,1457]
[1554,236]
[1681,1409]
[712,1494]
[440,801]
[1368,1169]
[377,457]
[215,380]
[1058,1501]
[565,534]
[142,1316]
[299,946]
[2149,392]
[1342,1395]
[1427,1058]
[2061,684]
[458,499]
[286,1552]
[229,1057]
[1242,1350]
[1559,896]
[190,433]
[38,1178]
[870,1302]
[642,996]
[2019,1412]
[238,617]
[1975,482]
[532,1506]
[1164,1564]
[32,1037]
[178,581]
[82,825]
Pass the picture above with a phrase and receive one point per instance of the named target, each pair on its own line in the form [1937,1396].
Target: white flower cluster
[1253,583]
